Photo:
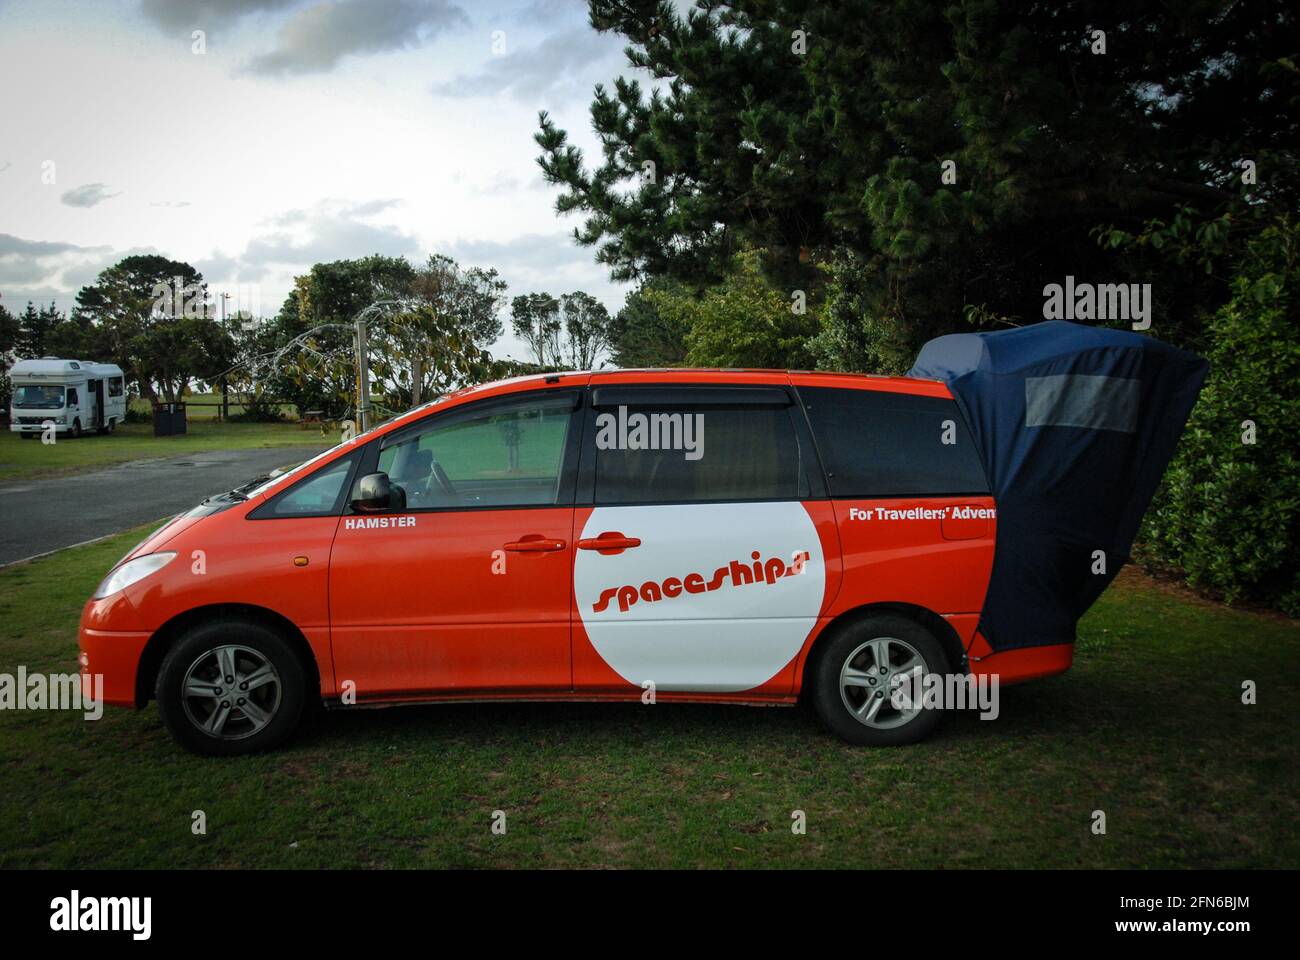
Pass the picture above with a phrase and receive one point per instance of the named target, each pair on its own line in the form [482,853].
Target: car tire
[76,429]
[218,716]
[865,713]
[27,436]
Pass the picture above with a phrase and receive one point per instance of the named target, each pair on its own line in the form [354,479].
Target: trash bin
[168,419]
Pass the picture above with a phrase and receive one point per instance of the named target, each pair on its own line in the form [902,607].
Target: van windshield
[42,396]
[355,441]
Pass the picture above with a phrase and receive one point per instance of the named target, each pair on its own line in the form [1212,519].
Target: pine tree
[954,155]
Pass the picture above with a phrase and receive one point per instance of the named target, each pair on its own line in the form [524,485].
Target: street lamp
[225,396]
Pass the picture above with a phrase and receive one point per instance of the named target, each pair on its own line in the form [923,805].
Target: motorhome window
[72,397]
[38,397]
[115,386]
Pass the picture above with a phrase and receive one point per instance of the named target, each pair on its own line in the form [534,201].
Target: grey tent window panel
[1079,400]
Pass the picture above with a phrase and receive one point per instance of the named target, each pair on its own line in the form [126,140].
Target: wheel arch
[940,628]
[165,636]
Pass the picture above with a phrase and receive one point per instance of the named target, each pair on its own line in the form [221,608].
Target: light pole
[363,376]
[225,395]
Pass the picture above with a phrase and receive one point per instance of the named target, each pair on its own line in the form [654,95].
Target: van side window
[115,386]
[72,397]
[874,443]
[503,456]
[707,453]
[319,495]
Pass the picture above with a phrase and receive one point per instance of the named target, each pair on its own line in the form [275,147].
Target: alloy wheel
[870,674]
[231,692]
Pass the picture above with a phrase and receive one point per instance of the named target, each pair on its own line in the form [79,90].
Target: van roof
[57,367]
[755,375]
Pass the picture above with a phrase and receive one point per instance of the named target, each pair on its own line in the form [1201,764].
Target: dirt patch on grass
[1166,584]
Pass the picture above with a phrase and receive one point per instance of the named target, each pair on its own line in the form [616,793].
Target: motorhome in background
[76,396]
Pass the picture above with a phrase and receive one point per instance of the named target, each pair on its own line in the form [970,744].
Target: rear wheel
[856,673]
[230,687]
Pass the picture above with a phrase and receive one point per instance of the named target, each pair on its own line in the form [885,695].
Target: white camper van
[75,395]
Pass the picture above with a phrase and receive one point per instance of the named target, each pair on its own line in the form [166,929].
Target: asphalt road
[41,515]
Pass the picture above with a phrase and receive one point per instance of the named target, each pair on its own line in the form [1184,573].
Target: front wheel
[76,429]
[855,675]
[230,687]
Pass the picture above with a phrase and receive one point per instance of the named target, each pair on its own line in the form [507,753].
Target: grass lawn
[1147,727]
[23,459]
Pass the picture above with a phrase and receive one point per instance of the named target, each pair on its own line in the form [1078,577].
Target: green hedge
[1228,512]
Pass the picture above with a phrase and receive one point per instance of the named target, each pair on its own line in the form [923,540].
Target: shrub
[1228,512]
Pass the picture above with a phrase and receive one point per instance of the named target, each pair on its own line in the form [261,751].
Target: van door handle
[535,544]
[609,543]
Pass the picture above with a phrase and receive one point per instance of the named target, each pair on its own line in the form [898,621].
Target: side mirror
[374,494]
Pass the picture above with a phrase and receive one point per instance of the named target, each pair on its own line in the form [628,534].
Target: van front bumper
[116,658]
[113,654]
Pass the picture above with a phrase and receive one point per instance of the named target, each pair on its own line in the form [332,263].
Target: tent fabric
[1075,426]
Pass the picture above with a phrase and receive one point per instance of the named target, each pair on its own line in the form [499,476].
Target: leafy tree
[586,330]
[293,359]
[10,333]
[742,322]
[535,319]
[470,298]
[641,336]
[448,317]
[177,351]
[854,334]
[71,337]
[319,373]
[427,331]
[151,316]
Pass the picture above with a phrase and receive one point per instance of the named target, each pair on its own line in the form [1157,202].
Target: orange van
[746,537]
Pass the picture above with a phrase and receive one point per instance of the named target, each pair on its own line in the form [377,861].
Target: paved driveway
[43,515]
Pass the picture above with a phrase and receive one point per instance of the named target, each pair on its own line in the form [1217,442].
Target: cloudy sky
[306,130]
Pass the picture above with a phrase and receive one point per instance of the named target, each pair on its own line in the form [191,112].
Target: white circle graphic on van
[717,597]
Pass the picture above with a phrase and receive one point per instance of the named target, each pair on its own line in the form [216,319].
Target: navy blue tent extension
[1075,426]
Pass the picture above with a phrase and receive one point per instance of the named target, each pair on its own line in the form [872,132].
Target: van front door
[74,414]
[466,590]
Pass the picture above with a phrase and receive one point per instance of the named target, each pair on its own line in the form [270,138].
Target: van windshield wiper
[241,492]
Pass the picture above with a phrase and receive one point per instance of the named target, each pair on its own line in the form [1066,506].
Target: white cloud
[317,38]
[190,14]
[563,66]
[87,195]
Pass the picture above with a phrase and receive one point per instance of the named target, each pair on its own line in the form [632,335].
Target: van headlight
[133,571]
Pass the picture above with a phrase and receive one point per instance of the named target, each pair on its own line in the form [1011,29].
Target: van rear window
[880,444]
